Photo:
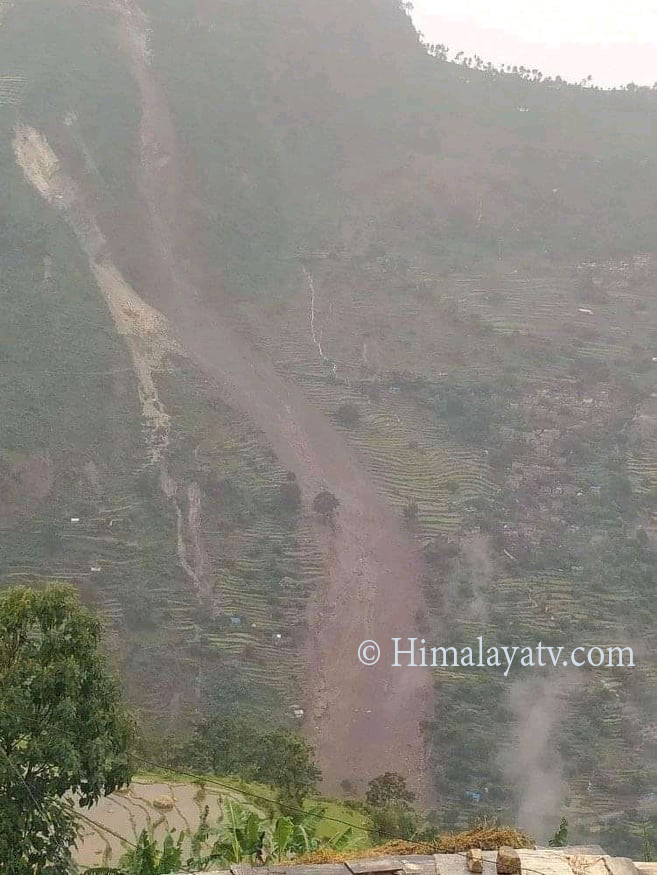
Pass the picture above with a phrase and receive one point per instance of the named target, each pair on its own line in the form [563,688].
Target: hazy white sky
[613,40]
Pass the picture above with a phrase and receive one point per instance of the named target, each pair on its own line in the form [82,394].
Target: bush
[326,504]
[388,787]
[347,415]
[411,512]
[394,820]
[290,494]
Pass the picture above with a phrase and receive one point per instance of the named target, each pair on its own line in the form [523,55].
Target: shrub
[347,415]
[326,504]
[290,494]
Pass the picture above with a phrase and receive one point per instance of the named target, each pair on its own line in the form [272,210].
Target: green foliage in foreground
[63,729]
[243,836]
[560,838]
[147,858]
[391,812]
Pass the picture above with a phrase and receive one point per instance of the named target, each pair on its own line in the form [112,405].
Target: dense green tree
[286,761]
[228,745]
[63,730]
[388,787]
[240,744]
[411,512]
[348,415]
[326,504]
[389,802]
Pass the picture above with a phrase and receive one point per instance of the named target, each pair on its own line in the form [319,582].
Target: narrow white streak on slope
[317,340]
[37,160]
[138,28]
[145,331]
[193,560]
[42,169]
[148,339]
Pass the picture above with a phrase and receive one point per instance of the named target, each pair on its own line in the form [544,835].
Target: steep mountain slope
[425,287]
[72,406]
[320,125]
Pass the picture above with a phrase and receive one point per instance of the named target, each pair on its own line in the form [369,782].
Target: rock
[588,864]
[621,866]
[474,860]
[547,861]
[508,861]
[163,803]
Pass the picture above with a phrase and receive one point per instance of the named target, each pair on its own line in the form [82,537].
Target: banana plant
[246,837]
[147,858]
[279,841]
[305,839]
[241,837]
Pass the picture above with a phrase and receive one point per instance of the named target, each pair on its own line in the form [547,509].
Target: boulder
[163,803]
[474,860]
[508,861]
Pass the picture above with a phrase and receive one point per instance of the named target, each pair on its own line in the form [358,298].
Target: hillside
[258,250]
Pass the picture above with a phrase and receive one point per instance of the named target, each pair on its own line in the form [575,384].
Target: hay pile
[488,838]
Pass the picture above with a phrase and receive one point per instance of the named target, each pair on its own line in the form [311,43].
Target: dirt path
[365,720]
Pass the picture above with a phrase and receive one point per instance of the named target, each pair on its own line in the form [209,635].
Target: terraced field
[408,453]
[172,804]
[11,87]
[327,346]
[609,320]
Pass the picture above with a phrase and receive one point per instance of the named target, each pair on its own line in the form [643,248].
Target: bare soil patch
[25,481]
[364,720]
